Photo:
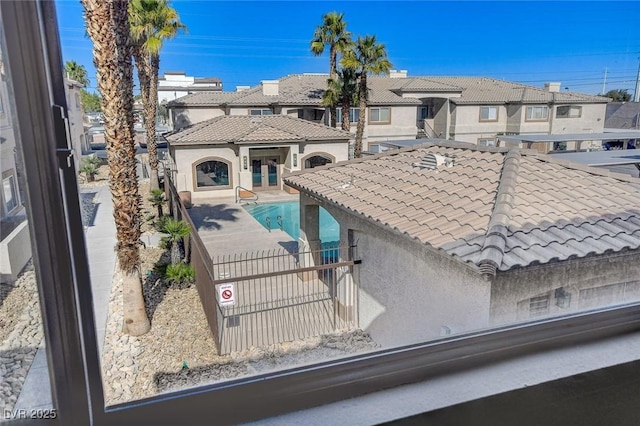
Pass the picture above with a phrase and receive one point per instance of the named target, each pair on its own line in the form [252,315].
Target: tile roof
[254,129]
[307,89]
[494,208]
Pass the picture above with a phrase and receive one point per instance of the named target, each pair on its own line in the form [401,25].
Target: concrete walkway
[224,226]
[100,239]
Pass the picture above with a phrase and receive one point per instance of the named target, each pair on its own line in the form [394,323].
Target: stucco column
[309,240]
[244,176]
[447,131]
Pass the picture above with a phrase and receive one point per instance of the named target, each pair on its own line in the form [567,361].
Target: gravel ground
[178,351]
[20,335]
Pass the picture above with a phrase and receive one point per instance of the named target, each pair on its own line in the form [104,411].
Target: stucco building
[15,245]
[175,84]
[467,109]
[214,157]
[454,239]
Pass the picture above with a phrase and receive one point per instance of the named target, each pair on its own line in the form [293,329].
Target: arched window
[317,160]
[213,174]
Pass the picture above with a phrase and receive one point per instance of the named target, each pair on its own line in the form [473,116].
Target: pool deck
[227,228]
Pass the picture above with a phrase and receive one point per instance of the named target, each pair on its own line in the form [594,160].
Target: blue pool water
[289,213]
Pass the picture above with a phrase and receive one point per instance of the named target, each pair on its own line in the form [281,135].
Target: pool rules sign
[226,295]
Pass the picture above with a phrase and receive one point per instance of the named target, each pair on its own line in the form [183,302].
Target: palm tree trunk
[107,25]
[152,147]
[346,112]
[175,253]
[363,108]
[333,74]
[143,67]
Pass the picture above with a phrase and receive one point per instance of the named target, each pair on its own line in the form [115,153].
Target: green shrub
[161,223]
[180,273]
[157,199]
[90,167]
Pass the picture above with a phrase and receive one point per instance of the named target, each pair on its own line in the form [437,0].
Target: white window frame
[573,111]
[537,113]
[10,193]
[379,111]
[260,111]
[69,326]
[490,142]
[489,116]
[354,114]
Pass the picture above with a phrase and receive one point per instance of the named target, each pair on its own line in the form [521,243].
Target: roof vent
[256,120]
[434,161]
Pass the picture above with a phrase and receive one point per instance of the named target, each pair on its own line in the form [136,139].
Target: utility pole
[604,83]
[636,94]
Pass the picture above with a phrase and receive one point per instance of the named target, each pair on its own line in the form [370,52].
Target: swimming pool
[289,214]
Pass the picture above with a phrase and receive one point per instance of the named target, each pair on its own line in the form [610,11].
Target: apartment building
[467,109]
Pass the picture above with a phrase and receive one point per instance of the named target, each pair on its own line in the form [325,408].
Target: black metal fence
[262,298]
[278,296]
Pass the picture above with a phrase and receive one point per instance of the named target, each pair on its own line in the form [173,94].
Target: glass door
[265,172]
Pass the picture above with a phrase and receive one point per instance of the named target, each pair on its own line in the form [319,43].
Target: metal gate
[279,296]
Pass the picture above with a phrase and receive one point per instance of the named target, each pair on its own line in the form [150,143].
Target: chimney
[270,87]
[242,88]
[552,87]
[398,73]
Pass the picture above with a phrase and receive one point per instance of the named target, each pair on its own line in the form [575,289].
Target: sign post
[226,295]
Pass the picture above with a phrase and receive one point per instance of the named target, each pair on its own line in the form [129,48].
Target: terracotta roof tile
[493,207]
[306,89]
[248,129]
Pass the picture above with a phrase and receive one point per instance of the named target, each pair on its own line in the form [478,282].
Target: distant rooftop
[308,89]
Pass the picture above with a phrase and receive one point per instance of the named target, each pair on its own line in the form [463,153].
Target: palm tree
[348,89]
[368,56]
[342,91]
[157,199]
[77,72]
[333,33]
[176,230]
[108,26]
[151,22]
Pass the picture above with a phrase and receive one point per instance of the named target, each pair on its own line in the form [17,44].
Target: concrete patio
[227,228]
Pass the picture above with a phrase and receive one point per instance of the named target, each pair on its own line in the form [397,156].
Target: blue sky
[533,42]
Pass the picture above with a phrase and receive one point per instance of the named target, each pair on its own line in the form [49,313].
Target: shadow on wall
[181,120]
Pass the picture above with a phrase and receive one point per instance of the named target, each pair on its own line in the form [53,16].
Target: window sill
[473,384]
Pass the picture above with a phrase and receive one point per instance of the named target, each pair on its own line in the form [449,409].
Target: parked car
[609,145]
[161,142]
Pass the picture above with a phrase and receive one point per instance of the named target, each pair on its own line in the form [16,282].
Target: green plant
[180,273]
[157,199]
[160,224]
[90,167]
[176,230]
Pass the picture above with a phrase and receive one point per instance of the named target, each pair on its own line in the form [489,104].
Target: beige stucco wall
[611,279]
[407,292]
[15,251]
[339,151]
[466,125]
[183,117]
[402,126]
[186,156]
